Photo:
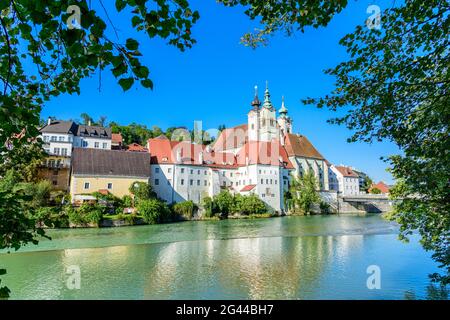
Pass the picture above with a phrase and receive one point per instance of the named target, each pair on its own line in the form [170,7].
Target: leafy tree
[102,121]
[224,202]
[86,119]
[141,191]
[396,81]
[304,191]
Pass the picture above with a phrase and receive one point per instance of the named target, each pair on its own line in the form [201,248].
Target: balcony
[56,164]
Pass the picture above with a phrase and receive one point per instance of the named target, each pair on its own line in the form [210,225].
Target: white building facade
[344,181]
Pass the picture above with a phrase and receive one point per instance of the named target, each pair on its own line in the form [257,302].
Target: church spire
[256,103]
[267,104]
[283,110]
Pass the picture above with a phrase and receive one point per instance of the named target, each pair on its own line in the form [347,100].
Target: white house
[344,180]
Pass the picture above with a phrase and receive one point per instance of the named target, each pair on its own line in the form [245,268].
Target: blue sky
[213,82]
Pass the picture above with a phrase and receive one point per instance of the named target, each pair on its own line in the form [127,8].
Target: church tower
[253,118]
[284,122]
[267,119]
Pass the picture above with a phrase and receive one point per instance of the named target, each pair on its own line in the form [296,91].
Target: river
[315,257]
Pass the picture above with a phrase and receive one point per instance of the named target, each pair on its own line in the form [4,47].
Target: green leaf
[132,44]
[147,83]
[126,83]
[120,5]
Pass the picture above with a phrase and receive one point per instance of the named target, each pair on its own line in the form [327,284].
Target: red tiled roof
[346,171]
[116,138]
[383,187]
[300,146]
[231,138]
[269,153]
[248,187]
[166,151]
[136,148]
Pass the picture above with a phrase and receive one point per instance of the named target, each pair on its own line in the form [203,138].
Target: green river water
[316,257]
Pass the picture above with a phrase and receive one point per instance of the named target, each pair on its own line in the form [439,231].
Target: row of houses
[260,156]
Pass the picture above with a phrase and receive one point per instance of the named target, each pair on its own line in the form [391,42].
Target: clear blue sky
[213,82]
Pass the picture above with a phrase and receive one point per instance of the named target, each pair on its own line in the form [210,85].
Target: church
[256,157]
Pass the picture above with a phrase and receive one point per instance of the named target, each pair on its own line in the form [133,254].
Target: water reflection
[231,260]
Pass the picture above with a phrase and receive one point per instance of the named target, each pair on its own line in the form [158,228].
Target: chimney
[49,121]
[178,155]
[200,157]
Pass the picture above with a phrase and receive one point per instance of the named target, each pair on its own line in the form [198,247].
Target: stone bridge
[369,203]
[372,203]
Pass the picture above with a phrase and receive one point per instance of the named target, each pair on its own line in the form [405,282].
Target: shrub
[251,204]
[87,213]
[185,209]
[127,202]
[209,207]
[324,207]
[153,211]
[375,191]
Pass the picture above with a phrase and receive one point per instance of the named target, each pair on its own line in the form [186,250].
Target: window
[105,145]
[198,171]
[223,173]
[56,151]
[87,185]
[53,138]
[182,182]
[192,171]
[270,181]
[231,174]
[253,126]
[205,182]
[262,181]
[169,170]
[231,183]
[263,195]
[267,181]
[182,170]
[61,138]
[224,184]
[45,138]
[271,122]
[191,182]
[156,170]
[84,144]
[55,183]
[156,182]
[206,172]
[276,181]
[64,151]
[198,182]
[109,186]
[96,145]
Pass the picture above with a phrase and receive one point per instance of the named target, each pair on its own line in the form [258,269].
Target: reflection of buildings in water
[255,268]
